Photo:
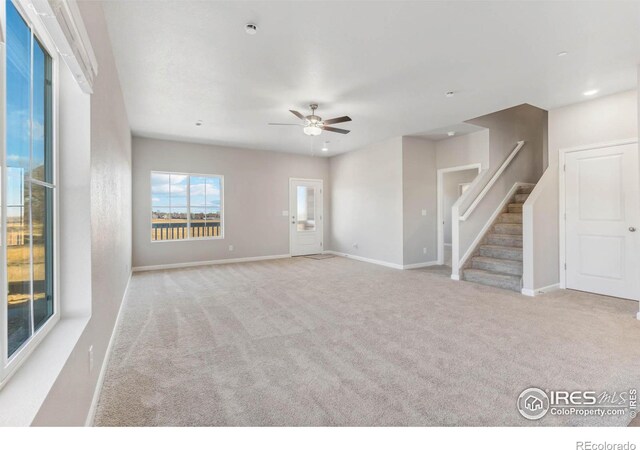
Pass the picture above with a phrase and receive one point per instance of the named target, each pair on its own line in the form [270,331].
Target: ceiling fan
[314,125]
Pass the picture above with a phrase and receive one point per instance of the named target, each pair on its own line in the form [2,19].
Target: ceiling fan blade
[337,120]
[336,130]
[297,114]
[290,124]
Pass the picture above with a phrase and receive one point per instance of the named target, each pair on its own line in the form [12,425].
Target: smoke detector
[251,28]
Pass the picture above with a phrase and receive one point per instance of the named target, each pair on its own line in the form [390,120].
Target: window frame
[188,207]
[10,364]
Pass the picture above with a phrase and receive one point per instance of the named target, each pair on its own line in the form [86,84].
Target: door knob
[632,229]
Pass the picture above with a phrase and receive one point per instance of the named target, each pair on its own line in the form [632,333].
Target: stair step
[501,252]
[521,198]
[504,266]
[499,280]
[508,228]
[525,189]
[515,207]
[510,218]
[508,240]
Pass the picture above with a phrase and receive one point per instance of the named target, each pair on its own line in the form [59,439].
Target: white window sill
[26,391]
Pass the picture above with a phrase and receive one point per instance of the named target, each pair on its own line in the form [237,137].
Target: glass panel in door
[306,209]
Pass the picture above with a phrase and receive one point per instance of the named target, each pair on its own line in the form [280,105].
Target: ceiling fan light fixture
[312,130]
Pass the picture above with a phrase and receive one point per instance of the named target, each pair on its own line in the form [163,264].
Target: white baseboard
[103,370]
[455,277]
[542,290]
[368,260]
[208,263]
[419,265]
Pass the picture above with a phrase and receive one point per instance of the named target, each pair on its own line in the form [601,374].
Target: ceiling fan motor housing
[314,119]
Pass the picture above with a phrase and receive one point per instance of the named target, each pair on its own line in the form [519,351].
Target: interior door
[602,205]
[305,216]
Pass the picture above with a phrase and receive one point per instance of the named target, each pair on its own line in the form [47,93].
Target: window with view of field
[185,206]
[28,185]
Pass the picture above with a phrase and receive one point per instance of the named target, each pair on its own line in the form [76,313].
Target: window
[186,206]
[28,190]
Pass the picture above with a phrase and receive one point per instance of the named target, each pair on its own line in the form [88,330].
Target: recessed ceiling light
[251,28]
[590,92]
[451,133]
[199,123]
[449,94]
[561,54]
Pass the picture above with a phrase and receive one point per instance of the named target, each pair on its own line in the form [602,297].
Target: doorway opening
[452,183]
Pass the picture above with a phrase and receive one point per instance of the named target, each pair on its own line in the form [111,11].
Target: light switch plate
[424,212]
[285,213]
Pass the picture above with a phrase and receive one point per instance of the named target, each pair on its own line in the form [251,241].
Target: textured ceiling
[385,64]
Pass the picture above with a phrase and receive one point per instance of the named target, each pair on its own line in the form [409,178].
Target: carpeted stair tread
[499,280]
[508,240]
[515,207]
[505,266]
[508,228]
[510,218]
[501,252]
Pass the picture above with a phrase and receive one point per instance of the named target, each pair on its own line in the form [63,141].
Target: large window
[28,188]
[186,206]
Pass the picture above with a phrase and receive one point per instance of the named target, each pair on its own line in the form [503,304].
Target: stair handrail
[492,181]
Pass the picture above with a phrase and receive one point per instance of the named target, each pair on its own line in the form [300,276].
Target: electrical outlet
[231,248]
[424,250]
[355,245]
[91,359]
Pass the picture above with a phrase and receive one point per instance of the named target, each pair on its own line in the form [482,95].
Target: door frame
[440,200]
[562,235]
[291,180]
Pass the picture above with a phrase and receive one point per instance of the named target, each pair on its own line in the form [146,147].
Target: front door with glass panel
[305,216]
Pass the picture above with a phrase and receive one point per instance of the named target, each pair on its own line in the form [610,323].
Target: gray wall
[604,119]
[256,192]
[366,202]
[462,150]
[70,398]
[419,188]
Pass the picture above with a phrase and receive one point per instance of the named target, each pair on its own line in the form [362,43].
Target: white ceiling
[385,64]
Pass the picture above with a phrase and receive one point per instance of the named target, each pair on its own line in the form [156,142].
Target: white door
[305,206]
[602,205]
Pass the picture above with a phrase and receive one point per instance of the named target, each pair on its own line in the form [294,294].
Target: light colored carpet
[341,342]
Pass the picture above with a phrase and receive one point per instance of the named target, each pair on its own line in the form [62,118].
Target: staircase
[498,259]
